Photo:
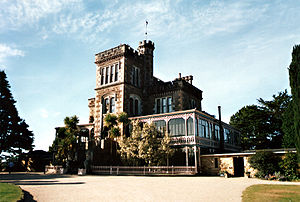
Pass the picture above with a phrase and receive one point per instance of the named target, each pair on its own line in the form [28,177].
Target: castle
[125,83]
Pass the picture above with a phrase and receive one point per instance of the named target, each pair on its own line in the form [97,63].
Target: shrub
[289,166]
[265,162]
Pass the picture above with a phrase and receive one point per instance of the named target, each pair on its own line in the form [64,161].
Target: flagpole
[146,33]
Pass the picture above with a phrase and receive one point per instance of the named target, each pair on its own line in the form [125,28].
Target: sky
[237,51]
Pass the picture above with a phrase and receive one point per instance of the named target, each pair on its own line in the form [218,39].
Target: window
[106,75]
[109,74]
[131,106]
[102,76]
[176,127]
[199,128]
[112,105]
[160,127]
[163,105]
[192,104]
[135,76]
[112,73]
[169,104]
[105,106]
[136,107]
[158,106]
[137,81]
[190,127]
[116,72]
[206,129]
[217,132]
[196,126]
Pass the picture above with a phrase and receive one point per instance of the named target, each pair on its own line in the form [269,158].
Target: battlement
[115,52]
[145,47]
[181,83]
[148,43]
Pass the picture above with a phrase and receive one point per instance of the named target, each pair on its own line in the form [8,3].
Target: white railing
[144,170]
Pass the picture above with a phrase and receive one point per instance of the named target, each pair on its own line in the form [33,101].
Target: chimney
[219,111]
[179,75]
[221,131]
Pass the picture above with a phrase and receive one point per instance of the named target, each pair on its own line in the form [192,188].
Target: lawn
[9,192]
[266,192]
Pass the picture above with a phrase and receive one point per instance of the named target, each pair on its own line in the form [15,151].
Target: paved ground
[131,188]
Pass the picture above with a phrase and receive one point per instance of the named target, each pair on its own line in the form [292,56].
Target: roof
[251,152]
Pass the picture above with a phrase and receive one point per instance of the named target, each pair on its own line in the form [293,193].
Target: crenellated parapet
[181,83]
[110,54]
[123,50]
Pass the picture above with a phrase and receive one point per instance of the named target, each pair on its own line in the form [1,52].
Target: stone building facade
[125,83]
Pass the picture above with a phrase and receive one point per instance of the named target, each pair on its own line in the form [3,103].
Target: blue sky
[237,51]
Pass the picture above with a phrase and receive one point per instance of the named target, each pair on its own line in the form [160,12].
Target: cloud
[7,51]
[44,113]
[14,13]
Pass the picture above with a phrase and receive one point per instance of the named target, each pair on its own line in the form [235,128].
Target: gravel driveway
[132,188]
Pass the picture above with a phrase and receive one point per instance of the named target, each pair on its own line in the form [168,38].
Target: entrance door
[238,166]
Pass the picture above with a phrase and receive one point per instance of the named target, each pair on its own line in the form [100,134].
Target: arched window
[160,127]
[176,127]
[112,105]
[131,106]
[190,127]
[136,107]
[105,105]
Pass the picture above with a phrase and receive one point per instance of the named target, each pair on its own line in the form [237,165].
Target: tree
[275,109]
[65,144]
[288,128]
[251,121]
[123,119]
[14,133]
[129,147]
[145,147]
[294,73]
[261,125]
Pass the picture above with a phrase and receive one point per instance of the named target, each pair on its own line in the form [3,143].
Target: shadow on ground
[27,197]
[30,176]
[35,179]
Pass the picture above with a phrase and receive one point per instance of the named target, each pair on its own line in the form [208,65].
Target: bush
[265,162]
[289,166]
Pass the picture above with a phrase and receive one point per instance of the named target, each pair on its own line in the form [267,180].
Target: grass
[266,192]
[9,192]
